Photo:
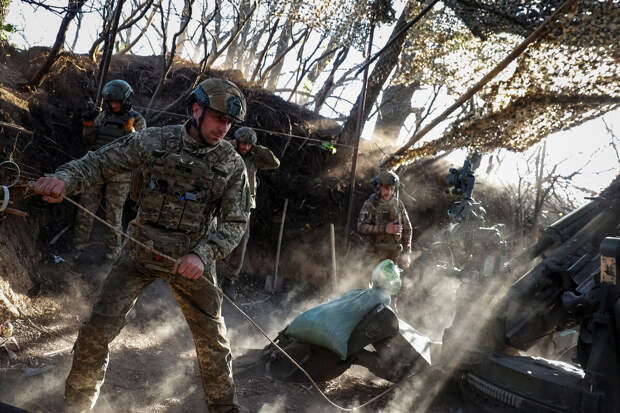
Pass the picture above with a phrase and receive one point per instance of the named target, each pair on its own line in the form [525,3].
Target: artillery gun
[573,283]
[465,247]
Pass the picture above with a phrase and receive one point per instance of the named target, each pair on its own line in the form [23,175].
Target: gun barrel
[564,228]
[532,306]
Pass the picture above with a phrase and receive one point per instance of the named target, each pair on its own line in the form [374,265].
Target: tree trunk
[394,109]
[233,55]
[283,41]
[386,62]
[4,9]
[320,66]
[73,7]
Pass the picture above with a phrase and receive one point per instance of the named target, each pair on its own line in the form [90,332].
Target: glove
[89,115]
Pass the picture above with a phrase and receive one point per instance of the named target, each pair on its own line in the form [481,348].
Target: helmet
[386,276]
[386,178]
[120,91]
[220,95]
[246,135]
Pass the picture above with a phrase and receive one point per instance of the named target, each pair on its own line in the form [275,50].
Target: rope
[270,132]
[250,319]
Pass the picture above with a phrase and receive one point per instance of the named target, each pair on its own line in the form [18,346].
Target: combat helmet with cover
[220,95]
[120,91]
[246,135]
[386,178]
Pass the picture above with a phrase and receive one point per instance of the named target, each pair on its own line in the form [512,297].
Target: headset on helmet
[246,135]
[120,91]
[221,96]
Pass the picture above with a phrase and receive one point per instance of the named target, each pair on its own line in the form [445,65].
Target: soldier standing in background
[256,157]
[117,119]
[191,176]
[384,222]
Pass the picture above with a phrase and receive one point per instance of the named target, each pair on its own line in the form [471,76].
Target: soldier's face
[214,125]
[115,106]
[387,191]
[244,147]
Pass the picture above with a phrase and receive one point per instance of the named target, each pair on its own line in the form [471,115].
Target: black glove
[90,114]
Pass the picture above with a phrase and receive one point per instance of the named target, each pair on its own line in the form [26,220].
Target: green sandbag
[330,325]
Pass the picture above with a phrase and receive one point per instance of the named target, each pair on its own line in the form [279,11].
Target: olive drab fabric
[373,218]
[107,127]
[187,184]
[259,158]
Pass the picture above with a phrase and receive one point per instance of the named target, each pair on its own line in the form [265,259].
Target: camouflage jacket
[374,217]
[109,126]
[198,204]
[260,157]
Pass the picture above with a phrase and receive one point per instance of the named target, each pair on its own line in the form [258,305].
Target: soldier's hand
[52,189]
[405,261]
[393,228]
[189,266]
[89,114]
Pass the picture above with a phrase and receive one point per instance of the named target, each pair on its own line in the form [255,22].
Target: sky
[585,147]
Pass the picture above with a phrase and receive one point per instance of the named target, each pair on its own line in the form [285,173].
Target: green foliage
[5,29]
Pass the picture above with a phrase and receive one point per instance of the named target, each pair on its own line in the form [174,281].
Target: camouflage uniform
[373,219]
[259,158]
[186,185]
[107,127]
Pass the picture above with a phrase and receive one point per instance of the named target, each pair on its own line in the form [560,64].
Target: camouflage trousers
[115,197]
[376,255]
[237,256]
[201,304]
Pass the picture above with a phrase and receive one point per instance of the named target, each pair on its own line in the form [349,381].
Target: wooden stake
[273,285]
[332,238]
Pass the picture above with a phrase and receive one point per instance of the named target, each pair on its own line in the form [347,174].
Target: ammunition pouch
[179,191]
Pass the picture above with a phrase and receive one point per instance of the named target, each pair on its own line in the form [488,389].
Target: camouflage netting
[566,78]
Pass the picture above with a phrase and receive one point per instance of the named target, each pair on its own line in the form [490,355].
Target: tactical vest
[111,128]
[386,212]
[180,190]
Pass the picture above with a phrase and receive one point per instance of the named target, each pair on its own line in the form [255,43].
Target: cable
[250,319]
[271,132]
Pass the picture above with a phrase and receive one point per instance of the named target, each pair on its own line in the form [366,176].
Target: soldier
[256,157]
[383,220]
[191,177]
[117,119]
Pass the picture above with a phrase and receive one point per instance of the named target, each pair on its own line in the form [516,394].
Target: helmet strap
[197,125]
